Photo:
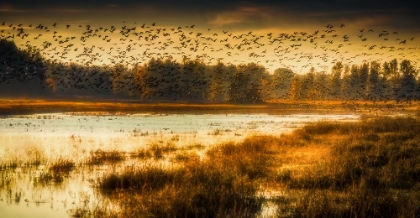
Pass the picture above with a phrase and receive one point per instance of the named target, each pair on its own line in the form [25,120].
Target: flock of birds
[136,44]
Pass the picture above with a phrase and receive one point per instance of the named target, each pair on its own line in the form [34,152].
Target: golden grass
[62,166]
[224,183]
[99,157]
[372,170]
[369,168]
[328,169]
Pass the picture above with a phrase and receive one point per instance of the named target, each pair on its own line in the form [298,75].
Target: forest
[26,73]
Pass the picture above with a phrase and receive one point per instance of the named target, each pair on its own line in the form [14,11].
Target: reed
[224,183]
[369,168]
[374,171]
[99,157]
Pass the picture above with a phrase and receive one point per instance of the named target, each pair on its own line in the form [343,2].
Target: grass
[60,169]
[156,150]
[10,164]
[373,170]
[99,157]
[184,156]
[197,146]
[369,168]
[62,166]
[57,171]
[224,183]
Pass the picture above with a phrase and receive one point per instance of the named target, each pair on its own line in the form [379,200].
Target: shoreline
[33,106]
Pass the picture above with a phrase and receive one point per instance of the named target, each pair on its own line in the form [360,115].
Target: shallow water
[47,137]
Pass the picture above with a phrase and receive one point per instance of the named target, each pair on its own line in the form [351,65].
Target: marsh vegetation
[367,168]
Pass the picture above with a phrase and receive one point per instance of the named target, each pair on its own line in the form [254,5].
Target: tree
[407,84]
[22,71]
[346,83]
[247,84]
[321,82]
[142,76]
[373,87]
[220,79]
[281,81]
[296,87]
[122,80]
[335,85]
[387,91]
[394,77]
[363,77]
[308,88]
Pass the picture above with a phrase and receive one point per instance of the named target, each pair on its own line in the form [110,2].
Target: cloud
[244,14]
[6,8]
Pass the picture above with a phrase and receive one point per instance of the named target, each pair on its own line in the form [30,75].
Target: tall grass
[369,168]
[373,172]
[225,183]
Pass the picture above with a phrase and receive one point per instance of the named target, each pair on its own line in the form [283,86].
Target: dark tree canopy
[26,73]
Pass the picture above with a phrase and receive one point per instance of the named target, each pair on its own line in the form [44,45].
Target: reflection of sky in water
[65,124]
[52,134]
[130,131]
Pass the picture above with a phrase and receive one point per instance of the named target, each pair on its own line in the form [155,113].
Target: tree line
[26,72]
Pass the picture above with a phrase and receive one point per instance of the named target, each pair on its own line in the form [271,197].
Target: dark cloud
[243,13]
[212,5]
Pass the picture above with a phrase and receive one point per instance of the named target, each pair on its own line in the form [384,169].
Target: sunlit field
[77,159]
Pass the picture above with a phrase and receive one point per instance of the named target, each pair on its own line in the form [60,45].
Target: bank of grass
[369,168]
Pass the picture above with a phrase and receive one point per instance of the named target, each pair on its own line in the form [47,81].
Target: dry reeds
[223,184]
[373,172]
[369,168]
[99,157]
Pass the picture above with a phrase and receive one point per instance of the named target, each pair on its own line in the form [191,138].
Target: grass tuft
[99,157]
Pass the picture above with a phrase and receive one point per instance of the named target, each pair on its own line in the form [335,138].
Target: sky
[291,34]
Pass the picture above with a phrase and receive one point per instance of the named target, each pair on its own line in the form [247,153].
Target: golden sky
[297,35]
